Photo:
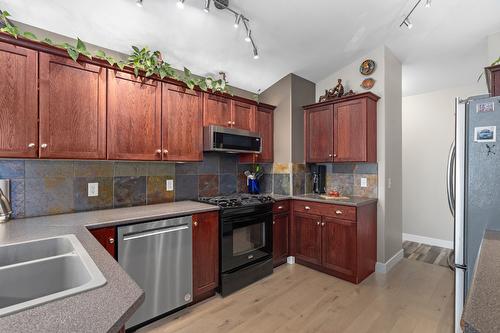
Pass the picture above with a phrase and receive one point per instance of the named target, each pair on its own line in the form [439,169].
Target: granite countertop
[352,201]
[482,308]
[105,309]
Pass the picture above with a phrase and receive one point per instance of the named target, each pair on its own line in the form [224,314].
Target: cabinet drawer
[337,211]
[281,206]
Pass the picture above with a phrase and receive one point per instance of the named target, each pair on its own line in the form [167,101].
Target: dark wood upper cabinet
[72,109]
[264,125]
[216,110]
[339,245]
[106,236]
[342,130]
[355,127]
[280,238]
[134,117]
[243,115]
[205,254]
[318,124]
[307,228]
[493,79]
[182,123]
[18,102]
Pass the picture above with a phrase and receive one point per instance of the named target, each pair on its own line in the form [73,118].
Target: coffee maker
[319,178]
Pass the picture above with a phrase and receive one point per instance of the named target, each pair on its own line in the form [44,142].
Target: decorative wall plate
[368,83]
[367,67]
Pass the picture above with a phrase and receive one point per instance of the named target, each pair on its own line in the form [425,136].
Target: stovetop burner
[238,200]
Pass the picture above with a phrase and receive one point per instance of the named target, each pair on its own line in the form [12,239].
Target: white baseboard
[428,241]
[381,267]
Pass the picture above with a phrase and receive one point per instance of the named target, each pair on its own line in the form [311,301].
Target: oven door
[245,240]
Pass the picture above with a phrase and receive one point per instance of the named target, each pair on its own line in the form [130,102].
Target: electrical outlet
[169,185]
[93,189]
[364,182]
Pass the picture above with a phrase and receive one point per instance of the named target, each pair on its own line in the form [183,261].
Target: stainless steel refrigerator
[473,185]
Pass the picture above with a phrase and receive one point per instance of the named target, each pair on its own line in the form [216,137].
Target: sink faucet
[5,206]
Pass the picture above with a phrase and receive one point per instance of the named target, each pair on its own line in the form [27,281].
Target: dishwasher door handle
[155,232]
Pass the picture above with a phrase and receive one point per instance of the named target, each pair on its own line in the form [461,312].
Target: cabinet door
[216,110]
[106,236]
[264,122]
[182,127]
[350,127]
[280,238]
[18,102]
[319,134]
[243,116]
[308,238]
[205,253]
[72,109]
[134,117]
[339,245]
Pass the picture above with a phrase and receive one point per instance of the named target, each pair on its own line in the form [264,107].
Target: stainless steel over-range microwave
[231,140]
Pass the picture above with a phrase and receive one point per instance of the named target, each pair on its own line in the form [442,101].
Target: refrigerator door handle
[450,178]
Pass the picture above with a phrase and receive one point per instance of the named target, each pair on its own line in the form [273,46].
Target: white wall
[493,47]
[388,87]
[428,130]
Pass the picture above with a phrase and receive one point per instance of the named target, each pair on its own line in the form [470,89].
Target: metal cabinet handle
[158,151]
[280,207]
[274,222]
[111,240]
[165,152]
[339,212]
[31,145]
[234,123]
[329,155]
[334,155]
[307,208]
[322,224]
[195,223]
[229,122]
[318,223]
[44,145]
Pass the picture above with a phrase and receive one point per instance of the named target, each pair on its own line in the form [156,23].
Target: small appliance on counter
[319,178]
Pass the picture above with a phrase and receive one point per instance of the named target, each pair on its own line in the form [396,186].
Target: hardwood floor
[427,253]
[413,297]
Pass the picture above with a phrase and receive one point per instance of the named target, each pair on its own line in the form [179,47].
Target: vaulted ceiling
[309,38]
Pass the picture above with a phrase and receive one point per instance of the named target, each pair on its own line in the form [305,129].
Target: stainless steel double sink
[40,271]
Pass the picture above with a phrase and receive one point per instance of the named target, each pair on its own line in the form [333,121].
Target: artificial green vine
[145,60]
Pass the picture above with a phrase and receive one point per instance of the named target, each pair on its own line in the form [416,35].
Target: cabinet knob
[339,212]
[233,123]
[158,151]
[31,145]
[274,222]
[44,145]
[280,207]
[318,223]
[322,224]
[229,122]
[307,208]
[334,155]
[329,155]
[165,152]
[195,223]
[111,240]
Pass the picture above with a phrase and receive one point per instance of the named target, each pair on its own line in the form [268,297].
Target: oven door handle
[247,220]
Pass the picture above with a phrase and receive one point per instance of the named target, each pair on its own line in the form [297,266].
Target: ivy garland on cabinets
[145,60]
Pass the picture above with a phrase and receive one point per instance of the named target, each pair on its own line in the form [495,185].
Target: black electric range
[246,239]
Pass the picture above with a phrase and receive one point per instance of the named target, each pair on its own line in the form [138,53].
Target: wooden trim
[369,95]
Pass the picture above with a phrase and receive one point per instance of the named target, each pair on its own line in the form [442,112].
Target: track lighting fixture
[255,54]
[248,36]
[139,3]
[207,6]
[237,21]
[406,21]
[180,4]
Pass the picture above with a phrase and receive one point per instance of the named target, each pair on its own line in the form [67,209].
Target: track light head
[255,53]
[428,4]
[408,23]
[207,6]
[248,37]
[139,3]
[180,4]
[237,21]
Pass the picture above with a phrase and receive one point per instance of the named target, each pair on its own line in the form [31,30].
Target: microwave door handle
[450,178]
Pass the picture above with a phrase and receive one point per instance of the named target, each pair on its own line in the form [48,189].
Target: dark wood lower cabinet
[342,246]
[106,236]
[205,255]
[280,238]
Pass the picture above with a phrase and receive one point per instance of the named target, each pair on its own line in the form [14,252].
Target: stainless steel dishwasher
[158,256]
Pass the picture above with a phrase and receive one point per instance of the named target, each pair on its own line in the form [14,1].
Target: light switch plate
[93,189]
[364,182]
[169,185]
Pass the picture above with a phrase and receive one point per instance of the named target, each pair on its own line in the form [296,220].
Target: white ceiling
[312,39]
